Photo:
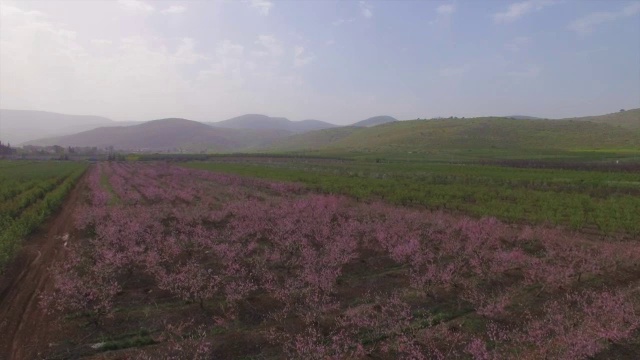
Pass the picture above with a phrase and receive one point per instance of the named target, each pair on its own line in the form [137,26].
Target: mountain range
[17,126]
[47,128]
[254,132]
[260,122]
[168,135]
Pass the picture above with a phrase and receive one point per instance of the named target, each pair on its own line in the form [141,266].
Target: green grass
[492,134]
[606,201]
[629,119]
[31,191]
[129,340]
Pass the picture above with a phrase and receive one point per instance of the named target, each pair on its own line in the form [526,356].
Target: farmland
[165,260]
[605,201]
[29,193]
[319,180]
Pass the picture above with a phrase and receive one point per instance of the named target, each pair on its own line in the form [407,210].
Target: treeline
[60,150]
[6,149]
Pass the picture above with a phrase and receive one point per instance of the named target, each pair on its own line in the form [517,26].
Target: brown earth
[27,331]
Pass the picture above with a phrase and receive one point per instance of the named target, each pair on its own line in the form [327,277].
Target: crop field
[29,192]
[168,261]
[606,201]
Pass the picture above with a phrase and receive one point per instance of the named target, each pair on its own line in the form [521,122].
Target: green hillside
[477,133]
[318,139]
[629,119]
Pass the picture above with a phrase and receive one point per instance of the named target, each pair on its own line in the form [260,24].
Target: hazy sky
[337,61]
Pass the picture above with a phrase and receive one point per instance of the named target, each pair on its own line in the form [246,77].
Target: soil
[27,331]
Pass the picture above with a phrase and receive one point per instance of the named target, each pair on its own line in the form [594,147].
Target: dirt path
[26,331]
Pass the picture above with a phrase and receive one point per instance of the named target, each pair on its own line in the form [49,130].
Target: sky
[337,61]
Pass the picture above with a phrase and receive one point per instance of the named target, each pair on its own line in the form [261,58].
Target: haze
[337,61]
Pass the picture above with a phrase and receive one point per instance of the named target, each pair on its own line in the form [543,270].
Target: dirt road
[26,331]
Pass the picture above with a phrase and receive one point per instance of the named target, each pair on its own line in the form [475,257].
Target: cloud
[186,54]
[343,21]
[262,6]
[250,73]
[454,70]
[365,10]
[270,46]
[8,10]
[587,24]
[101,42]
[45,66]
[446,9]
[229,61]
[531,71]
[229,49]
[518,43]
[443,17]
[136,6]
[299,60]
[330,42]
[516,10]
[174,9]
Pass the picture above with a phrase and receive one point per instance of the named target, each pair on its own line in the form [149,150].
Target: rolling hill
[374,121]
[314,139]
[262,133]
[262,122]
[168,134]
[629,119]
[474,133]
[17,126]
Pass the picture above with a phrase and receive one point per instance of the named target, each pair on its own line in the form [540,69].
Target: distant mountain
[629,119]
[259,132]
[17,126]
[374,121]
[311,125]
[260,122]
[168,134]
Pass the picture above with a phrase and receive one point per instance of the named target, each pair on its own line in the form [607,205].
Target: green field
[605,202]
[29,193]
